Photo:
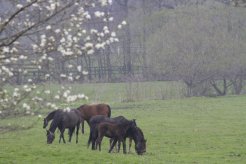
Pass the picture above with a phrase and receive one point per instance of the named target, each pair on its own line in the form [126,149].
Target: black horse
[136,134]
[50,116]
[62,120]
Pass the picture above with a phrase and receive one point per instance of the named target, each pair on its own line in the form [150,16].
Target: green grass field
[192,130]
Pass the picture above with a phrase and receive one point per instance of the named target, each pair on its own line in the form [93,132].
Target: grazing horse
[136,134]
[88,111]
[93,123]
[96,120]
[62,120]
[114,130]
[50,116]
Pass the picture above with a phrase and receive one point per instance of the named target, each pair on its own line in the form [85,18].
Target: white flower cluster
[105,2]
[68,39]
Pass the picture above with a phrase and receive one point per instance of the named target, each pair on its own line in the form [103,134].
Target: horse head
[140,147]
[50,137]
[140,142]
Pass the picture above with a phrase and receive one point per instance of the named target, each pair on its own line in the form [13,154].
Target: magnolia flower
[19,6]
[90,52]
[62,75]
[5,49]
[123,23]
[111,19]
[47,92]
[113,34]
[48,27]
[67,109]
[79,68]
[85,72]
[88,45]
[57,97]
[57,30]
[26,106]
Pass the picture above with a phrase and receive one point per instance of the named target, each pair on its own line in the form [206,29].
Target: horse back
[89,111]
[70,119]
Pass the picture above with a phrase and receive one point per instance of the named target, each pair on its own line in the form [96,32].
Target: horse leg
[112,146]
[82,126]
[124,146]
[62,135]
[110,142]
[71,130]
[89,139]
[118,146]
[130,144]
[98,142]
[77,132]
[93,140]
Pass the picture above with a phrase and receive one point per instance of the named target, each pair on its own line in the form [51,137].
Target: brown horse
[114,130]
[88,111]
[96,120]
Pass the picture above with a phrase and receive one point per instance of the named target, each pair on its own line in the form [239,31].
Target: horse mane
[137,134]
[82,106]
[54,124]
[109,114]
[51,114]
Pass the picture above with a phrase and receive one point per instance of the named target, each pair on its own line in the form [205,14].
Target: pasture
[180,130]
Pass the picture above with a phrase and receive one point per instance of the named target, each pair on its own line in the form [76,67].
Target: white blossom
[19,6]
[123,23]
[47,92]
[79,67]
[26,106]
[85,72]
[57,31]
[90,52]
[63,75]
[113,34]
[48,27]
[5,49]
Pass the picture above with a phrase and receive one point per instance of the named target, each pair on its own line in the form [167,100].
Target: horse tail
[109,111]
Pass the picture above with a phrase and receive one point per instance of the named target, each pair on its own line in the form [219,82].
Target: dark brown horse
[116,131]
[136,134]
[96,120]
[88,111]
[62,120]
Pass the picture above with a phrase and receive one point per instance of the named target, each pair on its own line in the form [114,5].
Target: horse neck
[53,125]
[137,135]
[51,115]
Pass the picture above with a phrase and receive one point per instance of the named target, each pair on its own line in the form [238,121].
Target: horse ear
[134,122]
[145,140]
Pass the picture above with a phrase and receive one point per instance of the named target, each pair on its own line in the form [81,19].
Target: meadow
[178,130]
